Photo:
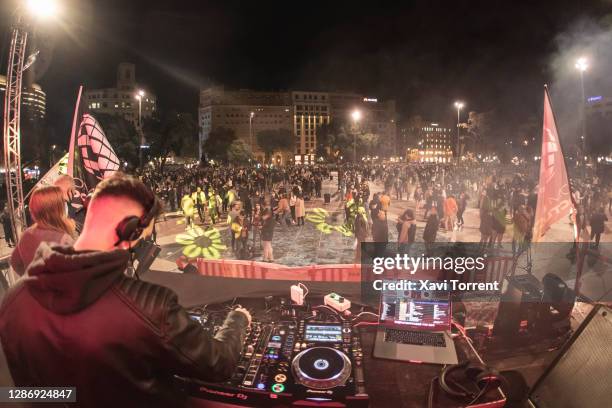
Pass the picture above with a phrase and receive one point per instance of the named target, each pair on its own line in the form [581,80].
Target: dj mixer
[293,355]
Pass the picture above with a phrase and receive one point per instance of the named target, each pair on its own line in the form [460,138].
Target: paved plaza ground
[308,245]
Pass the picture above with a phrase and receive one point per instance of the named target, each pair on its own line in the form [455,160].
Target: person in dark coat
[5,218]
[361,231]
[598,220]
[407,231]
[380,231]
[267,232]
[431,228]
[486,222]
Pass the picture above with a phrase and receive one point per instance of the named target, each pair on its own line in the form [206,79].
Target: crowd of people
[506,198]
[250,202]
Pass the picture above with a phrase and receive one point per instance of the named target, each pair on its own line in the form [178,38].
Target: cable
[365,324]
[460,328]
[364,313]
[300,284]
[481,393]
[430,396]
[330,309]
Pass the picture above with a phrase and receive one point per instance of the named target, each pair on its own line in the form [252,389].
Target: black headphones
[130,228]
[485,378]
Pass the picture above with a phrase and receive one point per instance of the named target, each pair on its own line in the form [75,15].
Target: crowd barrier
[497,269]
[263,270]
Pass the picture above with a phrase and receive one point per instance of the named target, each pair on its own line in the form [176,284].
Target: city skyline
[419,54]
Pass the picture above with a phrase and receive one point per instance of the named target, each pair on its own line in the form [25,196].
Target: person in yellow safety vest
[213,205]
[188,208]
[199,200]
[230,196]
[349,211]
[240,231]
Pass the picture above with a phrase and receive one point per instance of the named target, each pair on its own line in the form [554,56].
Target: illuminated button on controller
[280,378]
[278,388]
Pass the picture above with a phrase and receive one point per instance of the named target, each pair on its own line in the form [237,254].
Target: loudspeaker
[556,308]
[580,374]
[518,306]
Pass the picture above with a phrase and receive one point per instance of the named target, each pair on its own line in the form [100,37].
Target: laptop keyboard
[416,338]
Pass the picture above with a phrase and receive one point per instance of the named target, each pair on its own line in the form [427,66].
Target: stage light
[356,115]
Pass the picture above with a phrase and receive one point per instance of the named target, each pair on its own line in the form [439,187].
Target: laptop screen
[416,309]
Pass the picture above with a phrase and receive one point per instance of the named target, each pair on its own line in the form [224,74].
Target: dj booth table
[388,383]
[406,385]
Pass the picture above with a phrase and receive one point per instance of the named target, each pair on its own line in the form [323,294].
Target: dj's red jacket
[76,320]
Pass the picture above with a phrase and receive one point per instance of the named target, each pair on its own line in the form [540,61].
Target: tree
[366,142]
[174,133]
[480,131]
[332,138]
[272,140]
[218,142]
[122,136]
[239,152]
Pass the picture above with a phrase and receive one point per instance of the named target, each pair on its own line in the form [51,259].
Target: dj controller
[293,355]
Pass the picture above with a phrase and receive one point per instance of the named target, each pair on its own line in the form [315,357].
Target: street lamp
[459,106]
[139,95]
[42,8]
[251,116]
[582,65]
[356,115]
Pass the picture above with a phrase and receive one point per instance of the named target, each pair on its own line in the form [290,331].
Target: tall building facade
[310,111]
[301,111]
[435,145]
[426,141]
[246,112]
[33,100]
[123,98]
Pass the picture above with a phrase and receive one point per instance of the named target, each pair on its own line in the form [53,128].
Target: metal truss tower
[12,151]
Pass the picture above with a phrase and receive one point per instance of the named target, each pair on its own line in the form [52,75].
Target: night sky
[494,55]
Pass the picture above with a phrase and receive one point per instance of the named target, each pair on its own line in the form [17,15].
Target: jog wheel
[321,368]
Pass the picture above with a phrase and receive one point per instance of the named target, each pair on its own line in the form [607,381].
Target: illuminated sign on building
[594,98]
[370,99]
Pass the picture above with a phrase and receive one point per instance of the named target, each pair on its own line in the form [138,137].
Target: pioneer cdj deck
[293,355]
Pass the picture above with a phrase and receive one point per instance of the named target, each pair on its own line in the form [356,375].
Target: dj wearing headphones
[77,320]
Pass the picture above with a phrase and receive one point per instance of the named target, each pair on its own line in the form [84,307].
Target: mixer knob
[250,349]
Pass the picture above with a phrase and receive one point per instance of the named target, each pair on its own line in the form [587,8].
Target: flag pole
[576,231]
[70,168]
[569,185]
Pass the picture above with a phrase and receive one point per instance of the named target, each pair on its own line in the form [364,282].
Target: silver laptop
[414,325]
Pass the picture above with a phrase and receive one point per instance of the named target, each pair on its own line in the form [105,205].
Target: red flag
[554,195]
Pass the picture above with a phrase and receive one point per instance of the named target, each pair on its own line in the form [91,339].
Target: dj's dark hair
[126,186]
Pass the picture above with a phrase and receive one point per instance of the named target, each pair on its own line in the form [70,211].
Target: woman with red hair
[51,224]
